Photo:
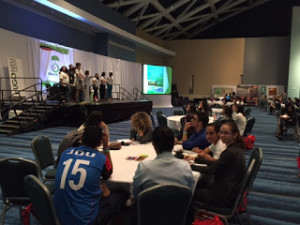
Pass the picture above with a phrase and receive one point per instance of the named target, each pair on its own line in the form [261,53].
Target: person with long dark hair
[229,170]
[102,86]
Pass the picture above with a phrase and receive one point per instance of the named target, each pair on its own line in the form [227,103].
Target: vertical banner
[15,72]
[52,58]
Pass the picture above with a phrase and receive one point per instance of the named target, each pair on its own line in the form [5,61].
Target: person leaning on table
[78,196]
[141,128]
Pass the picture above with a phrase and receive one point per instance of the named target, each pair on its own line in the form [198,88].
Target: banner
[15,72]
[52,58]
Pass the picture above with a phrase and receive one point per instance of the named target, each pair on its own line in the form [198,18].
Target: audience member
[197,139]
[239,117]
[73,138]
[141,127]
[229,170]
[175,171]
[190,108]
[78,195]
[288,117]
[211,153]
[204,107]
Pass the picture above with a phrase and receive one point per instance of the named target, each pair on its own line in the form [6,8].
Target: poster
[52,58]
[15,73]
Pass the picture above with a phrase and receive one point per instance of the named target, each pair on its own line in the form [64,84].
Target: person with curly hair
[141,128]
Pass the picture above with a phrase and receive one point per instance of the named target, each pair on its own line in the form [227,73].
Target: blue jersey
[77,185]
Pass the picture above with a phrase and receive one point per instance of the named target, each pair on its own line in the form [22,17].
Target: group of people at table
[287,110]
[81,194]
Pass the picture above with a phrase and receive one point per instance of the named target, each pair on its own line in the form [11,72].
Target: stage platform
[74,114]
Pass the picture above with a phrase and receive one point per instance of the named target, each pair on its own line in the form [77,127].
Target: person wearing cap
[109,82]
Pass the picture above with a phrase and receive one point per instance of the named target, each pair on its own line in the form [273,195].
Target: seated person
[198,138]
[204,107]
[77,196]
[288,117]
[73,138]
[190,109]
[190,131]
[211,153]
[239,117]
[229,170]
[141,128]
[175,171]
[226,113]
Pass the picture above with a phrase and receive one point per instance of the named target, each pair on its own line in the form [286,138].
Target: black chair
[159,112]
[178,112]
[247,112]
[249,126]
[163,204]
[42,150]
[253,166]
[162,120]
[152,119]
[41,200]
[12,173]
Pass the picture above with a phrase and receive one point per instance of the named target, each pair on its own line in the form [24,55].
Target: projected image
[157,80]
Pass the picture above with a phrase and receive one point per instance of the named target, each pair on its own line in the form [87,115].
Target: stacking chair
[42,150]
[178,112]
[12,173]
[41,200]
[253,166]
[249,126]
[152,119]
[163,204]
[162,120]
[248,112]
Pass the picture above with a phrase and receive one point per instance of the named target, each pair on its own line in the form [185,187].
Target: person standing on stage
[110,82]
[95,83]
[64,83]
[79,82]
[102,86]
[87,86]
[71,73]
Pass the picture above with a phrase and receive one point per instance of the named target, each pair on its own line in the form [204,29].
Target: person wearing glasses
[229,170]
[211,153]
[198,139]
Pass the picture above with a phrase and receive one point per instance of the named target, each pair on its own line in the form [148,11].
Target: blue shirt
[164,169]
[197,139]
[77,185]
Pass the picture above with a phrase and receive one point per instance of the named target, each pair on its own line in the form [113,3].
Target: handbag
[214,221]
[249,141]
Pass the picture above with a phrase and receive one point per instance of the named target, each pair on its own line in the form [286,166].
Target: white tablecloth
[124,169]
[216,111]
[173,122]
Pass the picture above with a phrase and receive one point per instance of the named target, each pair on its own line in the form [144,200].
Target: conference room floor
[274,199]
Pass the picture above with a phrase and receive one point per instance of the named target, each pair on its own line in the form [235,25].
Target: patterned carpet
[274,199]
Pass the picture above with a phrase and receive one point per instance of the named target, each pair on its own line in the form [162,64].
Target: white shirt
[217,149]
[110,80]
[64,77]
[240,121]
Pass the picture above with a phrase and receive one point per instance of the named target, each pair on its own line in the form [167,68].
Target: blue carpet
[274,199]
